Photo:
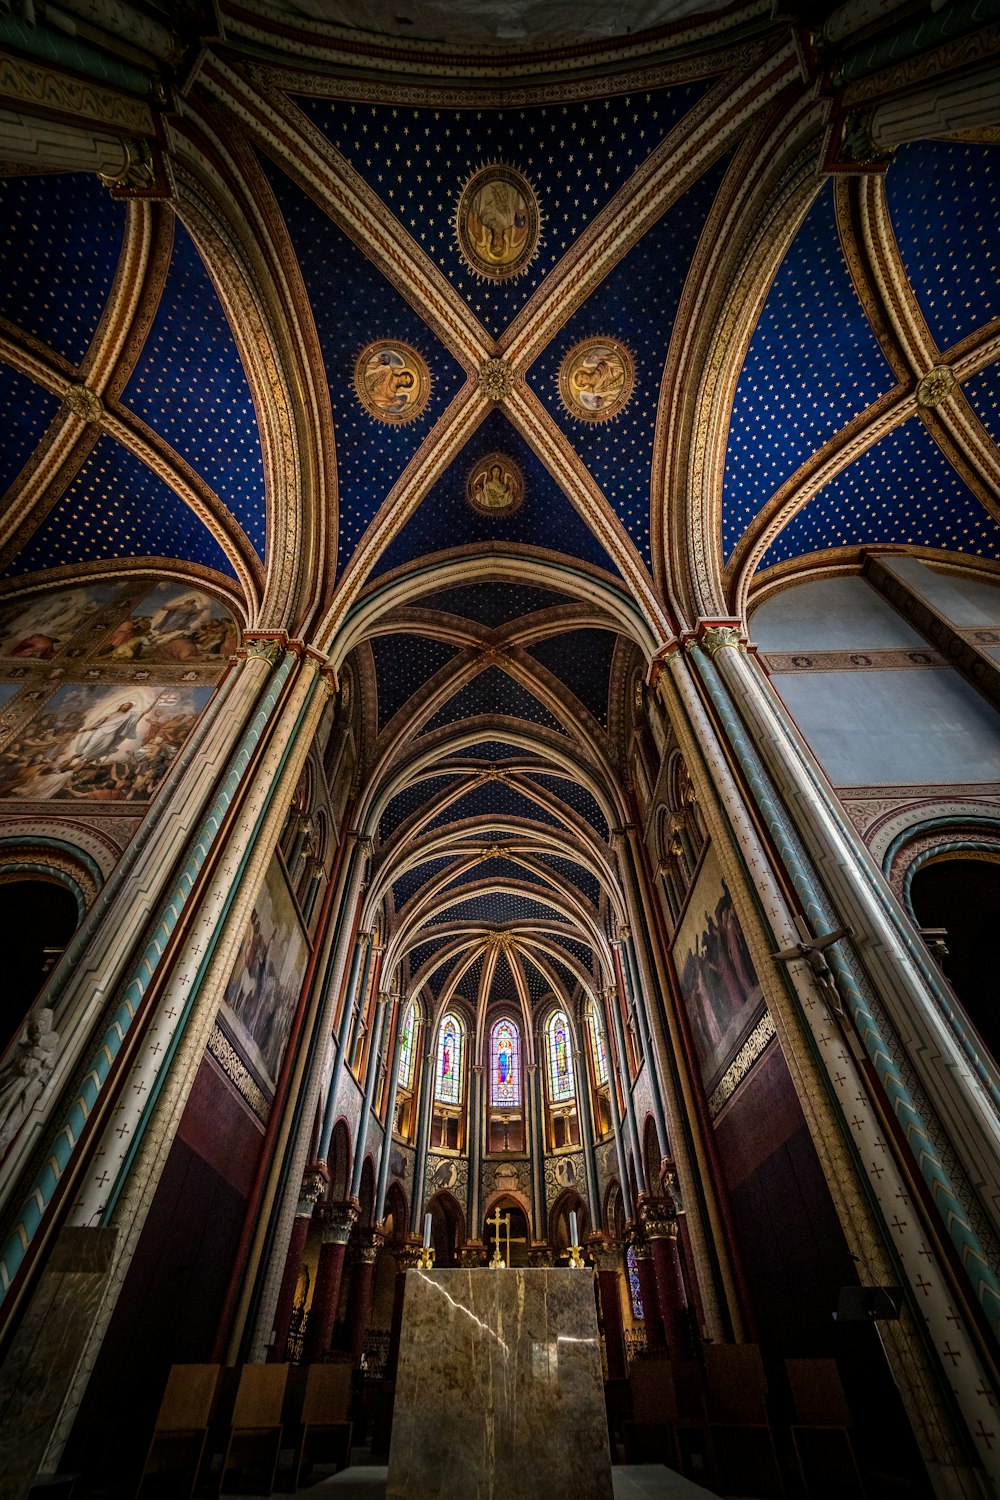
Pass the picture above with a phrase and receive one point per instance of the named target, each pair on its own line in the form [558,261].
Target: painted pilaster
[423,1133]
[138,1132]
[375,1052]
[609,997]
[585,1112]
[539,1141]
[833,1087]
[477,1148]
[390,1116]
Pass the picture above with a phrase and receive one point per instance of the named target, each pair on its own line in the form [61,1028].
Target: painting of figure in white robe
[100,744]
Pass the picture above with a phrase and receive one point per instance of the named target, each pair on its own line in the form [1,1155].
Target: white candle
[427,1231]
[572,1228]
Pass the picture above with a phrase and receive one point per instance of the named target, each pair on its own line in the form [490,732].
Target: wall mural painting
[720,988]
[100,744]
[172,623]
[40,626]
[260,999]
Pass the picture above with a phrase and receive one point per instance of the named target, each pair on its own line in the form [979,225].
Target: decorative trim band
[749,1054]
[239,1075]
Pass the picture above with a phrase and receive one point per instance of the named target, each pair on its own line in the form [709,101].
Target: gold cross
[497,1222]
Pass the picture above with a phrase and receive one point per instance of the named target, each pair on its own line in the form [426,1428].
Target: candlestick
[427,1231]
[572,1227]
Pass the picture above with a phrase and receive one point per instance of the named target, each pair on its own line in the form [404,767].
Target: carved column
[655,1338]
[607,1259]
[337,1220]
[406,1256]
[369,1243]
[313,1184]
[659,1225]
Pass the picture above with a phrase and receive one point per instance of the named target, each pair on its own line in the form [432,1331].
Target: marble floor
[631,1482]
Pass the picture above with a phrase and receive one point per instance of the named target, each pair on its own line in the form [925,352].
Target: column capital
[368,1244]
[337,1220]
[605,1253]
[714,635]
[658,1217]
[314,1181]
[406,1253]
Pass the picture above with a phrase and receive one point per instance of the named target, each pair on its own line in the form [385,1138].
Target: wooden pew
[316,1419]
[247,1429]
[746,1461]
[821,1431]
[177,1446]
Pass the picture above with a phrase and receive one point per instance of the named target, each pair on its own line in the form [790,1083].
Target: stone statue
[25,1073]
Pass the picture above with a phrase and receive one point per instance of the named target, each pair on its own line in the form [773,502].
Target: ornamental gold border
[569,359]
[417,406]
[504,172]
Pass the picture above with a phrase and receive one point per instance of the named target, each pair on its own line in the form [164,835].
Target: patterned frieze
[447,1174]
[564,1171]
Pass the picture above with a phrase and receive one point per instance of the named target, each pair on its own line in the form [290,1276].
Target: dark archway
[39,918]
[447,1228]
[652,1156]
[339,1162]
[567,1203]
[962,896]
[366,1194]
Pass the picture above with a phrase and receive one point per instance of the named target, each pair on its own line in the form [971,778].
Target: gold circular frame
[596,379]
[495,486]
[392,381]
[498,223]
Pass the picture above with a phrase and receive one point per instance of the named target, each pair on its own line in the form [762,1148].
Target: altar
[499,1390]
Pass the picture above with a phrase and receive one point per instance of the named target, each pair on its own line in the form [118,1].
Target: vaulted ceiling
[182,388]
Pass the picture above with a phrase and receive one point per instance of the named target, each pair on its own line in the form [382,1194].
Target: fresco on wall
[172,623]
[40,626]
[260,998]
[716,973]
[100,744]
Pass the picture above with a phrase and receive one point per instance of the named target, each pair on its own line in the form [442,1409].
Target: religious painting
[259,1002]
[100,744]
[40,626]
[495,485]
[497,222]
[721,990]
[173,623]
[596,379]
[392,381]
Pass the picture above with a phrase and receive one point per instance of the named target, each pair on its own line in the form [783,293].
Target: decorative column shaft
[392,1054]
[423,1136]
[360,946]
[359,1296]
[607,1259]
[659,1227]
[374,1053]
[586,1115]
[337,1220]
[312,1189]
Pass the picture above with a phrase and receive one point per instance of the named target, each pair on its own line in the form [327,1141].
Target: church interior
[500,725]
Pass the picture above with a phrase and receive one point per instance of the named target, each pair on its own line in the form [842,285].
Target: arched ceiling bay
[501,490]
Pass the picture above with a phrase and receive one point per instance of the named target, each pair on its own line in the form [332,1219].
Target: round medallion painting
[495,486]
[497,222]
[392,381]
[595,379]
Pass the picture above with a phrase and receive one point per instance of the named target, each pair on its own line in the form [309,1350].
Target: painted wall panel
[830,614]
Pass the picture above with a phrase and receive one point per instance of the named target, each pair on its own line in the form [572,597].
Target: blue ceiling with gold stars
[545,569]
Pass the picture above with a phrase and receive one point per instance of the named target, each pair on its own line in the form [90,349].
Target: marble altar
[499,1389]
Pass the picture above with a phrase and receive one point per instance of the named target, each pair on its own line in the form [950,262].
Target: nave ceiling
[489,380]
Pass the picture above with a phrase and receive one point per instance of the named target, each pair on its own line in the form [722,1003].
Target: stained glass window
[406,1046]
[597,1045]
[449,1067]
[505,1075]
[560,1060]
[633,1282]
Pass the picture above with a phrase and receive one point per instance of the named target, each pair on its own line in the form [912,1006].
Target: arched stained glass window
[560,1059]
[405,1078]
[449,1061]
[597,1044]
[505,1063]
[633,1282]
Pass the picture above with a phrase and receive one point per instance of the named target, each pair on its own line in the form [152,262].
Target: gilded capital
[337,1220]
[716,637]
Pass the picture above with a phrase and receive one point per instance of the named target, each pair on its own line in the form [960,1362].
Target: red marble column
[338,1220]
[405,1257]
[359,1295]
[313,1184]
[607,1258]
[660,1229]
